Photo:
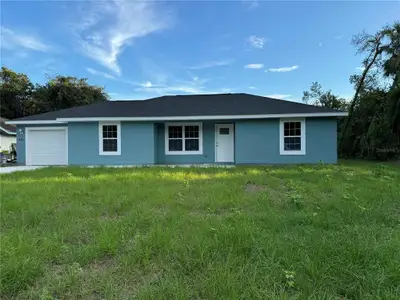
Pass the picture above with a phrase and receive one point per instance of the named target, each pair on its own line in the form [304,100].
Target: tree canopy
[15,91]
[372,129]
[20,97]
[316,96]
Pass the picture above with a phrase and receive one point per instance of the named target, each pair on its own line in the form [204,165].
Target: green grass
[303,232]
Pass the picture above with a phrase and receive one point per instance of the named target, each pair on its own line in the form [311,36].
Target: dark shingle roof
[185,105]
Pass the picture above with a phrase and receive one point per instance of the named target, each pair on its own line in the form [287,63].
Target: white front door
[224,147]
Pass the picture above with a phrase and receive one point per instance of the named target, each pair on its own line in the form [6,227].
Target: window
[182,138]
[292,137]
[224,131]
[109,139]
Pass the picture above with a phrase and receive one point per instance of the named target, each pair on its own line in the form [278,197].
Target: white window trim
[282,150]
[167,152]
[101,152]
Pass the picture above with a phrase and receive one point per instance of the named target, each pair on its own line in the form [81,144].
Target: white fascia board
[7,131]
[180,118]
[34,122]
[199,118]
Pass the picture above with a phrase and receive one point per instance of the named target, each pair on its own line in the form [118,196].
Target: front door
[224,147]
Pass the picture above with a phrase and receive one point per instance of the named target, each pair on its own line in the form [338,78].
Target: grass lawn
[303,232]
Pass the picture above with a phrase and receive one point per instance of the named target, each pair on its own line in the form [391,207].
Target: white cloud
[252,87]
[254,66]
[256,41]
[143,94]
[160,79]
[284,69]
[127,96]
[49,65]
[173,89]
[15,40]
[21,54]
[211,64]
[147,84]
[107,27]
[163,86]
[99,73]
[196,80]
[194,86]
[164,89]
[251,3]
[224,90]
[362,68]
[155,72]
[278,96]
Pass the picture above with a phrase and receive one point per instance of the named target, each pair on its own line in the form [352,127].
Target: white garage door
[46,146]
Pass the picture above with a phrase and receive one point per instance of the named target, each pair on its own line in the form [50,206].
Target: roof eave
[7,131]
[200,118]
[181,118]
[27,122]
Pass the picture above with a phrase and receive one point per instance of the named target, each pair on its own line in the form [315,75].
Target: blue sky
[139,50]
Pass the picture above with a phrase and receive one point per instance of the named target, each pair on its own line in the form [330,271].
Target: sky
[143,49]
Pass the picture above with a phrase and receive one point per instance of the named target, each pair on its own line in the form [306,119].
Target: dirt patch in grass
[276,195]
[110,217]
[161,211]
[218,213]
[101,265]
[150,277]
[254,188]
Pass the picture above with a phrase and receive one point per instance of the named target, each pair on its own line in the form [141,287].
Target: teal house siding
[155,137]
[257,142]
[137,144]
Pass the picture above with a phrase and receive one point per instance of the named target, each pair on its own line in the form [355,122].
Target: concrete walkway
[4,170]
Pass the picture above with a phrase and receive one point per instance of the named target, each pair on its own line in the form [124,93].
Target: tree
[373,45]
[19,97]
[374,113]
[65,91]
[372,129]
[391,65]
[391,68]
[316,96]
[15,91]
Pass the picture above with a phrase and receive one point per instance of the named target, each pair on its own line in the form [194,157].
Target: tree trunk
[358,90]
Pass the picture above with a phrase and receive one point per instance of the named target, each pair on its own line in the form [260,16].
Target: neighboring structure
[194,129]
[7,135]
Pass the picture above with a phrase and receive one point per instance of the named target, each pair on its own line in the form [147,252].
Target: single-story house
[183,129]
[7,135]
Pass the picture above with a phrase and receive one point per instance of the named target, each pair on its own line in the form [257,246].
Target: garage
[46,146]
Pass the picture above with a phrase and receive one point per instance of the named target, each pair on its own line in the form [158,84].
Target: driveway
[4,170]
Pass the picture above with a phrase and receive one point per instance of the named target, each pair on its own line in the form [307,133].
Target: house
[7,135]
[184,129]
